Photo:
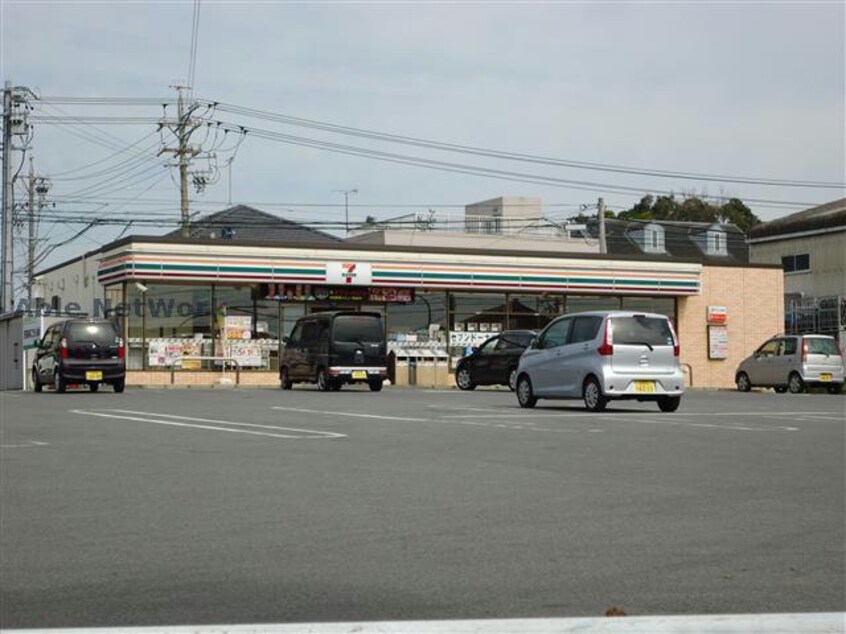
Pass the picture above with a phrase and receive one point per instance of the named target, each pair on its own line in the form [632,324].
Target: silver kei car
[600,356]
[793,362]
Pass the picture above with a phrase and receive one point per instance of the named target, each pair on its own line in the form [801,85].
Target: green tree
[692,209]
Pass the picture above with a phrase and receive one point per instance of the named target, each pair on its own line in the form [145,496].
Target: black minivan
[334,348]
[80,352]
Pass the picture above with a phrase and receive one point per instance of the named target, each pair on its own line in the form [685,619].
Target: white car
[600,356]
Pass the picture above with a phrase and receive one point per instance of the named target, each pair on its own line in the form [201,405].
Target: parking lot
[237,506]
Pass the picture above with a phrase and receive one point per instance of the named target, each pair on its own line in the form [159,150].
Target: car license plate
[644,386]
[825,376]
[359,374]
[94,375]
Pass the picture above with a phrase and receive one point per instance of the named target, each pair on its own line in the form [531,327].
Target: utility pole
[346,193]
[30,252]
[40,186]
[6,297]
[603,247]
[182,129]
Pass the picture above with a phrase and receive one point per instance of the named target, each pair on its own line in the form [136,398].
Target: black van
[334,348]
[80,352]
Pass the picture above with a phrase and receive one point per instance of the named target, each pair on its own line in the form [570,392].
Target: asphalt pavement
[169,507]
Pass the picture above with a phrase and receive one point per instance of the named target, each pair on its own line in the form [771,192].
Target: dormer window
[716,241]
[652,238]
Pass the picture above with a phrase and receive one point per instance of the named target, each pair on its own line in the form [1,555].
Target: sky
[752,90]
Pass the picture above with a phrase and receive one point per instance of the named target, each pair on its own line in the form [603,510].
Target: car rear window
[102,334]
[654,331]
[515,340]
[352,328]
[821,346]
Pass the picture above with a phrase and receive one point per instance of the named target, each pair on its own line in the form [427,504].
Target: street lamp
[346,193]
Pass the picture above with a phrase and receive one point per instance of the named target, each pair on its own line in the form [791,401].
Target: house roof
[828,216]
[251,224]
[679,240]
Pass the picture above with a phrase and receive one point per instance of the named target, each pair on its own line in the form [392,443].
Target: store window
[246,328]
[583,303]
[167,321]
[533,312]
[478,312]
[413,320]
[660,305]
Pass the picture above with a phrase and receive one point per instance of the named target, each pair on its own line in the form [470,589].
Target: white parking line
[406,419]
[806,623]
[304,433]
[25,445]
[353,414]
[665,420]
[229,422]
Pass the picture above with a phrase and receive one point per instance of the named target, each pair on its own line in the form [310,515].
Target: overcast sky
[746,89]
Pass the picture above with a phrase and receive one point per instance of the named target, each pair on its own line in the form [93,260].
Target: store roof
[828,216]
[243,222]
[682,240]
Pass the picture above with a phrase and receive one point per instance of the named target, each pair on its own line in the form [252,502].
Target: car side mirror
[474,350]
[534,342]
[285,339]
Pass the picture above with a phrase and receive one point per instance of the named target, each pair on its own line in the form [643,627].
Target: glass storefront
[171,321]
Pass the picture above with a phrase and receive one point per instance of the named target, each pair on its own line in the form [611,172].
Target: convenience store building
[181,298]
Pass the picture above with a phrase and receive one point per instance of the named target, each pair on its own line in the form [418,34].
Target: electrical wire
[63,175]
[474,170]
[192,63]
[516,156]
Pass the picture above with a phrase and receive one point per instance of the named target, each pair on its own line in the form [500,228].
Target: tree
[692,209]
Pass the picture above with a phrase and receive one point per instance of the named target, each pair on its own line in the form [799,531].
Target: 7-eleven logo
[349,273]
[348,269]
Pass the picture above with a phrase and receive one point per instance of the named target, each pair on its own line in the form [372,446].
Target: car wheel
[59,383]
[780,389]
[512,379]
[335,385]
[119,386]
[463,380]
[525,395]
[592,396]
[669,403]
[742,382]
[375,386]
[36,384]
[93,386]
[834,388]
[795,384]
[284,380]
[322,381]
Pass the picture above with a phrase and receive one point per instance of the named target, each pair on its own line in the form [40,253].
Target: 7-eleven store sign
[349,273]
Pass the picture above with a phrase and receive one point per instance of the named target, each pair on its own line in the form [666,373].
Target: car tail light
[64,353]
[121,349]
[676,344]
[804,350]
[606,349]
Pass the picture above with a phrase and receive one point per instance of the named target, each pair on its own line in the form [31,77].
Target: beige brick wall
[754,298]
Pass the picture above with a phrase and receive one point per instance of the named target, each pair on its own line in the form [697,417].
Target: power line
[192,63]
[516,156]
[474,170]
[63,175]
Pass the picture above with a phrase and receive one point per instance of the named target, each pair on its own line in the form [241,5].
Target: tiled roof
[679,243]
[241,223]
